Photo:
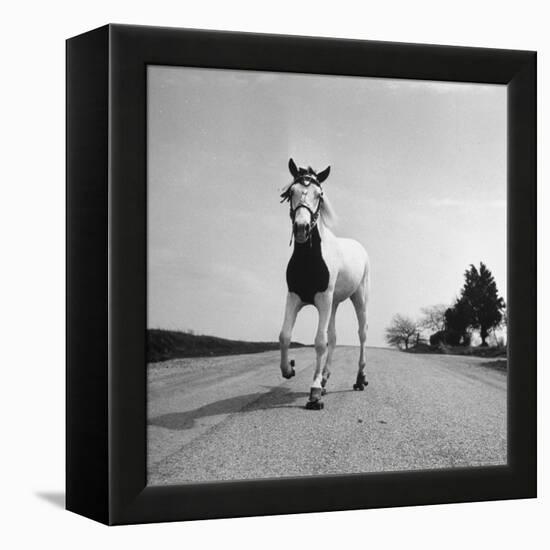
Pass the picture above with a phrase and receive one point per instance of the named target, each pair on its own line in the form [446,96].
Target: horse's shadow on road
[277,397]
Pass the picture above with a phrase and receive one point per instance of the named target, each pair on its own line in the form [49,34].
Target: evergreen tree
[457,321]
[479,301]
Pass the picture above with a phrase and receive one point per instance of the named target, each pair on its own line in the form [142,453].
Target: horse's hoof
[292,363]
[315,394]
[359,387]
[323,391]
[315,405]
[290,374]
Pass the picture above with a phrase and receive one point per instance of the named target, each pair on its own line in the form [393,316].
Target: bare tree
[433,317]
[401,331]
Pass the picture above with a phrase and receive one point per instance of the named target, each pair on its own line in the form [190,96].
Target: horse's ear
[293,168]
[322,176]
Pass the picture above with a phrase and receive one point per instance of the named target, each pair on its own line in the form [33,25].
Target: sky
[418,176]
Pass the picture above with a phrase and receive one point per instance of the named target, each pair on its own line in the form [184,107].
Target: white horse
[324,270]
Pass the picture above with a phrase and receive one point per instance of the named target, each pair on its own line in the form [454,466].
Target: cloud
[236,279]
[446,202]
[465,203]
[440,87]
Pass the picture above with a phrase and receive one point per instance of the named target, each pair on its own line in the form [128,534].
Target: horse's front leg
[293,306]
[323,303]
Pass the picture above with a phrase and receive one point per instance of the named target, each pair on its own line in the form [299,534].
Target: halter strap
[314,215]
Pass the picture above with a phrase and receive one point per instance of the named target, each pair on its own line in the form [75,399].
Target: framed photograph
[301,274]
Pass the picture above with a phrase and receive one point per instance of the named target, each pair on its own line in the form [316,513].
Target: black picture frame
[106,273]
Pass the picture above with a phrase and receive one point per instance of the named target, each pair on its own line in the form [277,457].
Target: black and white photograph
[273,275]
[326,275]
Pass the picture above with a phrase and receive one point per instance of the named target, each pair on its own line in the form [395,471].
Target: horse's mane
[327,212]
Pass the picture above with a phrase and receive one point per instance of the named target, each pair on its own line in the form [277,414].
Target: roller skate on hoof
[291,373]
[360,383]
[315,403]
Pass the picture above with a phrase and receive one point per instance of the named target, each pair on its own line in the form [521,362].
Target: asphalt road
[235,417]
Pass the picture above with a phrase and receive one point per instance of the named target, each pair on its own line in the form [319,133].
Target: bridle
[304,179]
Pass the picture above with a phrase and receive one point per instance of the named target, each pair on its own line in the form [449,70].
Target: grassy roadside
[498,353]
[476,351]
[169,344]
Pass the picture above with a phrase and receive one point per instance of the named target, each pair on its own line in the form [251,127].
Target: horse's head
[305,196]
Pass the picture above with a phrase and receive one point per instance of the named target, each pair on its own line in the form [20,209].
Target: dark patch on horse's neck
[307,272]
[311,247]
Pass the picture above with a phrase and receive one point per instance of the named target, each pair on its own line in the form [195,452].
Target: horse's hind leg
[359,300]
[331,333]
[293,306]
